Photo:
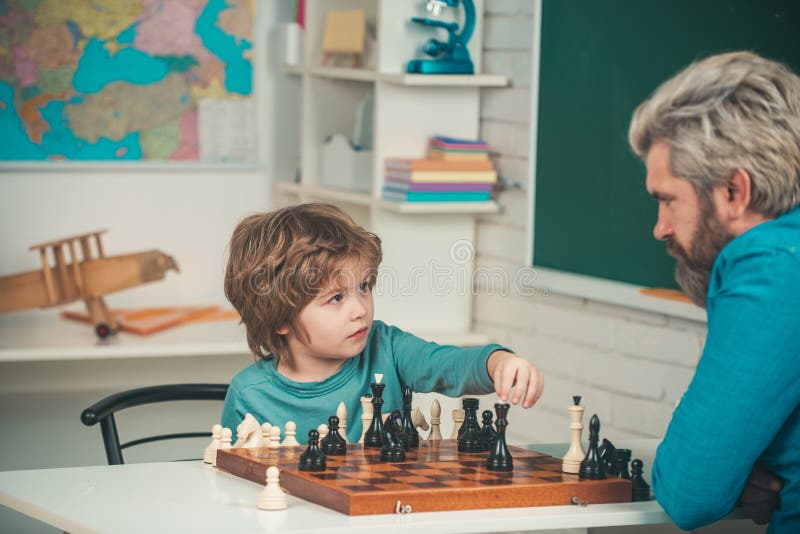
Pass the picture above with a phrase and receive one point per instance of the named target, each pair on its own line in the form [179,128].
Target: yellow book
[484,177]
[447,155]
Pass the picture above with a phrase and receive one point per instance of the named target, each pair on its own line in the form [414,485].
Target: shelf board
[326,193]
[446,80]
[340,73]
[439,207]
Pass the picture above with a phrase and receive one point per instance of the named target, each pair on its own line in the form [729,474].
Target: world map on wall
[125,80]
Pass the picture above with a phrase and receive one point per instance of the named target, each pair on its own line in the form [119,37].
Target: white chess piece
[224,443]
[366,416]
[458,420]
[272,497]
[341,413]
[248,433]
[211,450]
[575,454]
[274,437]
[323,430]
[291,432]
[265,428]
[436,414]
[418,418]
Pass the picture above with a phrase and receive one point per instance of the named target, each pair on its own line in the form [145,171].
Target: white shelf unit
[426,281]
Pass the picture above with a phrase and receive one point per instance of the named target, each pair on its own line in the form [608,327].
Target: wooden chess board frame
[434,477]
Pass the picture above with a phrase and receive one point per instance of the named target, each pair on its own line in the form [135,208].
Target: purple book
[433,186]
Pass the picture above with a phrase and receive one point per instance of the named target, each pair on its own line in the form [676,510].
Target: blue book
[436,196]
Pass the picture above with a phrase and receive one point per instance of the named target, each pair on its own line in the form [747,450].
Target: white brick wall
[631,367]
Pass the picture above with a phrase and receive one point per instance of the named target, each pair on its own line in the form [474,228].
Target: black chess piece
[333,443]
[312,459]
[499,458]
[392,449]
[488,434]
[592,465]
[607,452]
[373,438]
[640,489]
[469,435]
[410,434]
[621,459]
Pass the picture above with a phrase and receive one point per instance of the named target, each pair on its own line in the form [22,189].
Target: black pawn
[333,444]
[621,459]
[373,436]
[392,449]
[640,489]
[469,435]
[499,458]
[312,458]
[488,434]
[592,465]
[410,434]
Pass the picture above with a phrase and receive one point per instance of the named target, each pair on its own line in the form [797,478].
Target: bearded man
[721,142]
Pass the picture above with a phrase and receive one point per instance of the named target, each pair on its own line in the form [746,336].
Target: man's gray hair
[727,112]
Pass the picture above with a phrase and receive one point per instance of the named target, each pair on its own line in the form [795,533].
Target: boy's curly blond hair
[279,261]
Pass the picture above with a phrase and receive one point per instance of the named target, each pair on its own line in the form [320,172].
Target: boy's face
[337,322]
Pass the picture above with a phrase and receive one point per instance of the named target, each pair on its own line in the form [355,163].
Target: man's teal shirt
[743,404]
[400,357]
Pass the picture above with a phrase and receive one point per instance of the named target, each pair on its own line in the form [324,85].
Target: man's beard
[693,270]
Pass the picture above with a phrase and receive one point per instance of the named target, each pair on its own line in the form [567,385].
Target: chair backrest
[103,412]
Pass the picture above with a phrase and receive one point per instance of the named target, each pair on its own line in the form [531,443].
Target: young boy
[301,278]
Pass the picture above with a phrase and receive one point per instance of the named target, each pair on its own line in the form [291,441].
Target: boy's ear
[282,330]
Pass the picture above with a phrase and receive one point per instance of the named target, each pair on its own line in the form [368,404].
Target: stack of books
[455,170]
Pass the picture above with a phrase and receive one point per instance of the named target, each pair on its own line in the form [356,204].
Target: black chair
[103,412]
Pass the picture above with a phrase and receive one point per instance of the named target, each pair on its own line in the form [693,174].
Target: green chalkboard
[598,60]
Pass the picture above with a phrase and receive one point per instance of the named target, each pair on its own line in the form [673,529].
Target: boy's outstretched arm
[508,370]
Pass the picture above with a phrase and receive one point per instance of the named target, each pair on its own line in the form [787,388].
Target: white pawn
[224,442]
[291,432]
[272,497]
[341,413]
[366,416]
[436,415]
[211,450]
[323,431]
[458,420]
[265,428]
[274,437]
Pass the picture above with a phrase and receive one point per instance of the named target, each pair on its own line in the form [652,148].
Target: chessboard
[433,477]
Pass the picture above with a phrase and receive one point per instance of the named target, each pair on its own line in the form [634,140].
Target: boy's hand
[508,370]
[760,495]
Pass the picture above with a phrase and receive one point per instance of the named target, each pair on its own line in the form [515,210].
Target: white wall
[630,366]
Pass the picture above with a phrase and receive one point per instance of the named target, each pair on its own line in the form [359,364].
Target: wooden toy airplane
[87,279]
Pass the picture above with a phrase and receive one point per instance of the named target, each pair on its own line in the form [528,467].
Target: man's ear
[738,190]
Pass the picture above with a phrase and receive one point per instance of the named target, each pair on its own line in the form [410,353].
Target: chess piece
[373,437]
[499,458]
[640,490]
[266,426]
[274,437]
[458,420]
[291,432]
[366,415]
[224,443]
[469,436]
[621,459]
[436,414]
[488,435]
[211,450]
[418,418]
[607,453]
[341,413]
[272,497]
[333,444]
[312,459]
[392,449]
[248,433]
[592,466]
[322,429]
[574,456]
[410,434]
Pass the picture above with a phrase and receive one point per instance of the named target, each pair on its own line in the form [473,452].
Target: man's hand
[508,370]
[760,495]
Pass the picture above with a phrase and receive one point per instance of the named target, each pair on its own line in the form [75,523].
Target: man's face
[687,222]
